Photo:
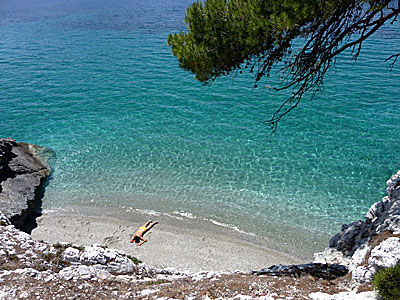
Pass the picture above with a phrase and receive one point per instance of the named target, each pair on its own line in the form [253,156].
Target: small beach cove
[183,244]
[63,269]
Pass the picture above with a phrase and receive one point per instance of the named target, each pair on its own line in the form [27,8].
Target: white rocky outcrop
[101,258]
[84,272]
[385,255]
[351,246]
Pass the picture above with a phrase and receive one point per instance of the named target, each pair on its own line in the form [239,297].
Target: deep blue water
[95,82]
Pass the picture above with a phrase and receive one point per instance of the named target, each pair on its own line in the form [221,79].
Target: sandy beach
[183,244]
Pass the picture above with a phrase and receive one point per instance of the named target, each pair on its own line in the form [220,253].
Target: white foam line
[149,212]
[172,216]
[58,210]
[49,211]
[157,213]
[233,227]
[179,214]
[185,214]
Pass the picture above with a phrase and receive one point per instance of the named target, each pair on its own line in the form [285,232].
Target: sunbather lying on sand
[138,236]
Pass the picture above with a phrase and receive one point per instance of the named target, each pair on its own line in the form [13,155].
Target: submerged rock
[22,172]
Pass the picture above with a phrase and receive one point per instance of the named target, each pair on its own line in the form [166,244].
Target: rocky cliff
[368,245]
[22,172]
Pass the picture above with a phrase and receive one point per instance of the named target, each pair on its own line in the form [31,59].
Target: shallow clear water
[95,82]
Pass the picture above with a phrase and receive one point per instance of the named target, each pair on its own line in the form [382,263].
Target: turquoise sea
[95,82]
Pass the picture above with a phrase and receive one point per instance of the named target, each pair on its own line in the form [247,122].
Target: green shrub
[387,283]
[61,246]
[135,260]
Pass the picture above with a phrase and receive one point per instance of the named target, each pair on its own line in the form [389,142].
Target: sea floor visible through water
[126,130]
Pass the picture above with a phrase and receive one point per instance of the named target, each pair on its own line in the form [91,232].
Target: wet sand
[183,244]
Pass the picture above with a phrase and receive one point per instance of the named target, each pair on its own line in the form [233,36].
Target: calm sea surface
[95,82]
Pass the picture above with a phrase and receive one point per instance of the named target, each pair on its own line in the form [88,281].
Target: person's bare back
[138,236]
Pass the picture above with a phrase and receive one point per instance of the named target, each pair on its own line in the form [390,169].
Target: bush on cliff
[387,283]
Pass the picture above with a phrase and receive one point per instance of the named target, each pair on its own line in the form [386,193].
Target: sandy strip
[182,244]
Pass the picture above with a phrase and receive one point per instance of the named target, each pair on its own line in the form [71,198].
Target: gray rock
[333,256]
[93,255]
[359,256]
[393,187]
[71,255]
[121,265]
[325,271]
[22,172]
[351,237]
[361,275]
[83,272]
[110,260]
[377,210]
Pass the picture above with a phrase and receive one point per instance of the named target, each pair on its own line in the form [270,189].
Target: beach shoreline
[184,244]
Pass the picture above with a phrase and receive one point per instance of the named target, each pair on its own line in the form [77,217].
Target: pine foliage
[226,36]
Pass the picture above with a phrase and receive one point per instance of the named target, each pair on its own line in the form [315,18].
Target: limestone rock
[361,275]
[377,210]
[385,255]
[71,255]
[393,187]
[351,245]
[83,272]
[93,255]
[351,237]
[110,260]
